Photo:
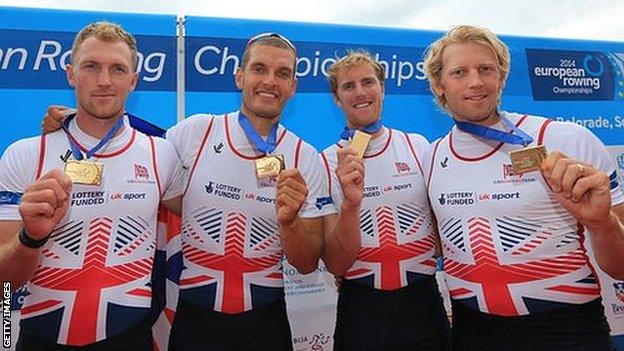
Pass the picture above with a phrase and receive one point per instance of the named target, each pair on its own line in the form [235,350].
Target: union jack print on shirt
[95,284]
[234,252]
[512,279]
[401,247]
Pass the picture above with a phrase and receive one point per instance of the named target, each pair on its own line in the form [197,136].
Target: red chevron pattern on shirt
[497,274]
[81,289]
[393,250]
[233,265]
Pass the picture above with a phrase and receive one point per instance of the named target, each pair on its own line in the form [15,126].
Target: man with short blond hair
[515,261]
[106,32]
[382,241]
[78,210]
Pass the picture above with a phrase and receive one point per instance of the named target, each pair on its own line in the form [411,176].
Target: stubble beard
[102,115]
[269,113]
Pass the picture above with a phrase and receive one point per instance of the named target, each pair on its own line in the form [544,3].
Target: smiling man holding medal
[252,190]
[382,241]
[78,210]
[512,194]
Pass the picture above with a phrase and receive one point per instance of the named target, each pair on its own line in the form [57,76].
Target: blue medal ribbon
[516,136]
[372,128]
[76,149]
[259,144]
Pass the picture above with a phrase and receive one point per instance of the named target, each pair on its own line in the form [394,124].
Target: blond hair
[352,59]
[463,34]
[108,32]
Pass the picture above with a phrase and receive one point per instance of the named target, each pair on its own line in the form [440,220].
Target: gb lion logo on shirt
[141,175]
[508,176]
[140,172]
[402,169]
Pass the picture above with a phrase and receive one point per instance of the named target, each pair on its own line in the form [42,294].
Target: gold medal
[359,142]
[528,159]
[84,172]
[269,166]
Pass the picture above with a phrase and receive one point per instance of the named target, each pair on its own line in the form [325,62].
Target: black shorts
[411,318]
[135,339]
[264,328]
[571,328]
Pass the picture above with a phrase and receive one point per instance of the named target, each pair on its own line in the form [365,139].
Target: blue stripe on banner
[613,176]
[10,198]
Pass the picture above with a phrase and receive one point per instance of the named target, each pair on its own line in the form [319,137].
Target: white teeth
[267,94]
[477,97]
[366,104]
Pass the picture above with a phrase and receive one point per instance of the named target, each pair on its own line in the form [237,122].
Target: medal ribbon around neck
[372,128]
[264,146]
[516,137]
[75,148]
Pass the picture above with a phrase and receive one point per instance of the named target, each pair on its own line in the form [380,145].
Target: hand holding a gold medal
[291,194]
[350,173]
[580,188]
[585,192]
[45,203]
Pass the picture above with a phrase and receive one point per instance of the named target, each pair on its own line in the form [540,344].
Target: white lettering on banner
[575,80]
[599,122]
[559,72]
[9,53]
[158,58]
[42,55]
[395,69]
[224,60]
[309,65]
[50,55]
[558,90]
[391,70]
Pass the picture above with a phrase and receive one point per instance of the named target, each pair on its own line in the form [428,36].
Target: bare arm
[18,262]
[342,231]
[585,192]
[302,239]
[342,240]
[43,205]
[607,238]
